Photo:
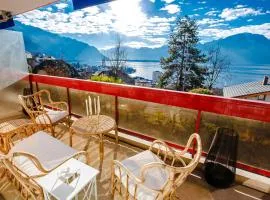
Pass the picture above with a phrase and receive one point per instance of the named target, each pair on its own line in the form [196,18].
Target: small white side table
[56,188]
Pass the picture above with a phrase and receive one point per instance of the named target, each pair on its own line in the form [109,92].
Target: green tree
[182,69]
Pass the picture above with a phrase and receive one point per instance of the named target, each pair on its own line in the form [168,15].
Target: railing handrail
[248,109]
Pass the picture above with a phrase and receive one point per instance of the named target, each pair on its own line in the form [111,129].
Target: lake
[237,74]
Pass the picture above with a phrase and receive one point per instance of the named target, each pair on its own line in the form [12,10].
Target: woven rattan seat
[8,129]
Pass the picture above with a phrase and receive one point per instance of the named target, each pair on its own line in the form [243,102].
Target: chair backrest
[178,174]
[186,170]
[92,105]
[34,102]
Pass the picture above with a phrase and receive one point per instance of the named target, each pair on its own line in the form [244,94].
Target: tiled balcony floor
[193,189]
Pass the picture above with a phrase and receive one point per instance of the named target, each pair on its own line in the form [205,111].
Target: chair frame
[177,175]
[26,184]
[35,106]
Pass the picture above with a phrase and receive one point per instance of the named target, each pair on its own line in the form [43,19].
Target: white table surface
[62,191]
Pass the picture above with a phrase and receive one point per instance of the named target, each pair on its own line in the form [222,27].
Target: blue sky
[147,23]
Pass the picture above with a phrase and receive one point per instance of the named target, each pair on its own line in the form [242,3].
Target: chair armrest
[79,154]
[3,157]
[61,105]
[32,158]
[188,145]
[38,164]
[38,112]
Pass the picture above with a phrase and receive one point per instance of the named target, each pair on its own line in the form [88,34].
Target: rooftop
[246,89]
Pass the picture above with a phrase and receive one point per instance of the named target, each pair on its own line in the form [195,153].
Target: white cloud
[61,5]
[153,1]
[212,13]
[233,13]
[200,8]
[168,1]
[249,20]
[93,10]
[240,6]
[171,8]
[202,2]
[194,15]
[49,9]
[130,22]
[215,33]
[136,44]
[209,21]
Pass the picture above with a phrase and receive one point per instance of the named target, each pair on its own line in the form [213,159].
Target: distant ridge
[241,49]
[244,49]
[40,41]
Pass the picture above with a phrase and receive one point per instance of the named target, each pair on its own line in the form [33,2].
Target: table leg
[6,145]
[70,138]
[88,192]
[116,135]
[95,188]
[46,195]
[101,147]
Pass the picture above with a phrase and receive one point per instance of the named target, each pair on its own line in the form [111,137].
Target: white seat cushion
[54,115]
[155,178]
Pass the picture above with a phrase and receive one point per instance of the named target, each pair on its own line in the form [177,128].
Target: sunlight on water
[237,74]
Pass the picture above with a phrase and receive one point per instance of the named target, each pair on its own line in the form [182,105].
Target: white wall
[267,98]
[13,63]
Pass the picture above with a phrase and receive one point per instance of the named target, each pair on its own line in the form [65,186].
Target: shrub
[201,91]
[104,78]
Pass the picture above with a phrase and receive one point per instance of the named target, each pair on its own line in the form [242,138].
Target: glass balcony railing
[169,115]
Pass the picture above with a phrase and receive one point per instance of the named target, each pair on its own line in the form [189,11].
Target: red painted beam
[254,110]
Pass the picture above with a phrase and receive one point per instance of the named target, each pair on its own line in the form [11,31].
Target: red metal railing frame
[247,109]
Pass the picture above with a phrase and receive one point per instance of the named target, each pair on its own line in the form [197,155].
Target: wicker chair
[155,173]
[31,159]
[44,112]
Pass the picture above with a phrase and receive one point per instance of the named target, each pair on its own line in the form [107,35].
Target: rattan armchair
[155,173]
[43,111]
[31,159]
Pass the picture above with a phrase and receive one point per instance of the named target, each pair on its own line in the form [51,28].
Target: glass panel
[78,106]
[57,93]
[9,105]
[254,137]
[156,120]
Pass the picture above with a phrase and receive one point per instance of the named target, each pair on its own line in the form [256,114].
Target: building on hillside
[259,90]
[140,81]
[156,76]
[28,55]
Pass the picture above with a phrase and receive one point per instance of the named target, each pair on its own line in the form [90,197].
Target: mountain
[39,41]
[146,53]
[242,49]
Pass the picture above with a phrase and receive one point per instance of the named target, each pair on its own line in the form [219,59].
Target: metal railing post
[116,111]
[68,101]
[197,129]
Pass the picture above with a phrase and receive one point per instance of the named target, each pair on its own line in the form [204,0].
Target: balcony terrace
[144,114]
